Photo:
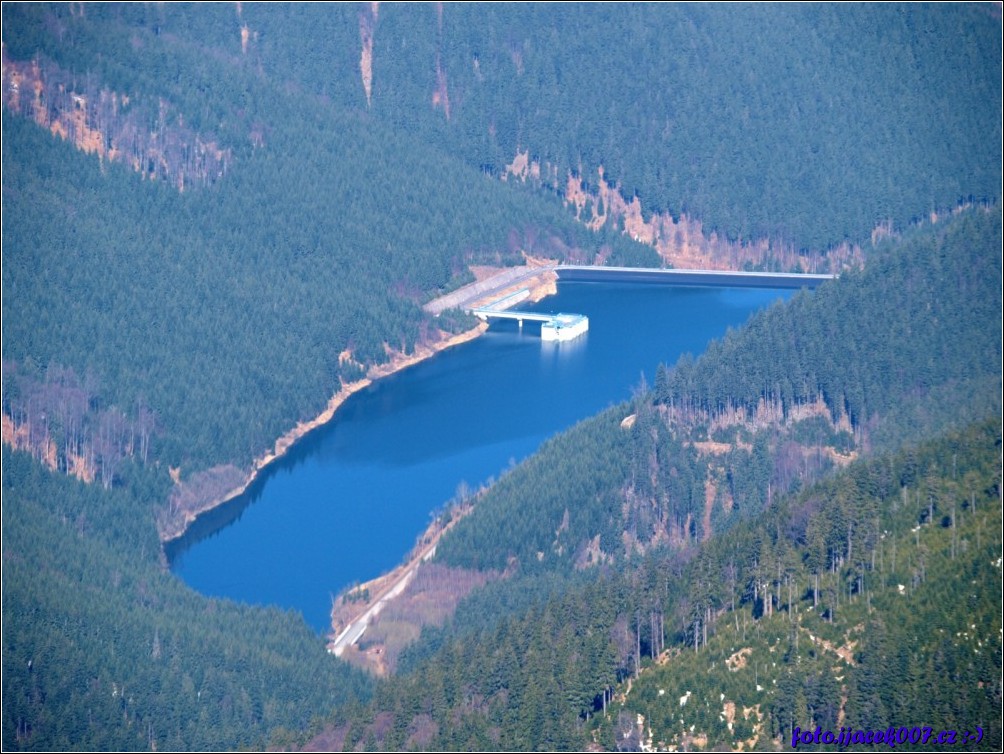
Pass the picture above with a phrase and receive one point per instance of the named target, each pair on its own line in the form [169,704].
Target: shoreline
[349,619]
[541,285]
[399,362]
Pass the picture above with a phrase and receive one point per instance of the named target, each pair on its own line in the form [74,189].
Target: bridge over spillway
[501,309]
[552,327]
[517,315]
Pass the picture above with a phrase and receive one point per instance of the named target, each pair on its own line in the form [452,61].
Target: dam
[564,327]
[703,278]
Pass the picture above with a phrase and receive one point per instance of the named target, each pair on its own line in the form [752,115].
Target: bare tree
[146,424]
[109,443]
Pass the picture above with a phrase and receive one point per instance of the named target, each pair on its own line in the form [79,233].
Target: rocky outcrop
[151,138]
[367,25]
[681,241]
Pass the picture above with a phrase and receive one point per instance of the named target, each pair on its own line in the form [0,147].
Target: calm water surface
[350,500]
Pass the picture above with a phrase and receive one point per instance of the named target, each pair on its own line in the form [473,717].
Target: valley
[241,243]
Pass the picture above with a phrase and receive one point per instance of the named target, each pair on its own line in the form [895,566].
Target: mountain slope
[250,300]
[904,632]
[217,215]
[791,621]
[103,649]
[793,605]
[801,387]
[809,125]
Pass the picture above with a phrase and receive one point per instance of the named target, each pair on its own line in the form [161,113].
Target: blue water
[350,499]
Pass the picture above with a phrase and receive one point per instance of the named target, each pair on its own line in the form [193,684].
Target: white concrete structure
[553,327]
[563,327]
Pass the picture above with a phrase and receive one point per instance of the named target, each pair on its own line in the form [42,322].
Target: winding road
[354,631]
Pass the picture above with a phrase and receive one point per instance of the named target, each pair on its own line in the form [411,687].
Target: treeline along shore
[187,505]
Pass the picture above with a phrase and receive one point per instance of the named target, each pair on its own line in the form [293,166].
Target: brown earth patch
[428,600]
[710,447]
[710,492]
[738,660]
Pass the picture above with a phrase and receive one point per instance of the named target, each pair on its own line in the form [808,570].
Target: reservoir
[349,500]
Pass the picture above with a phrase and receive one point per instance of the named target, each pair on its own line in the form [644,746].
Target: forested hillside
[810,125]
[216,216]
[868,601]
[226,313]
[103,649]
[799,614]
[904,348]
[249,166]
